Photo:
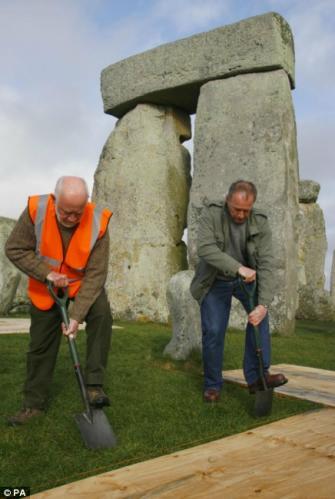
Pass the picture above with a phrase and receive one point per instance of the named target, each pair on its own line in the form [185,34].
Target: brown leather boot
[97,397]
[211,395]
[272,381]
[23,416]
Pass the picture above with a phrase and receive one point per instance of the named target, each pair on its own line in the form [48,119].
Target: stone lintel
[172,74]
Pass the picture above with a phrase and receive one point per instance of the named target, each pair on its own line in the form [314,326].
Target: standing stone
[144,178]
[185,317]
[308,191]
[311,254]
[245,128]
[332,281]
[311,260]
[9,274]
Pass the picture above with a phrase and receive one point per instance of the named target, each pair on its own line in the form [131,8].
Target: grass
[156,408]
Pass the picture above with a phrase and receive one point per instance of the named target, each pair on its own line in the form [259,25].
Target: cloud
[316,163]
[51,113]
[313,30]
[190,15]
[316,156]
[37,148]
[314,98]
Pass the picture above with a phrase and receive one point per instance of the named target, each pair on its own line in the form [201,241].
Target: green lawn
[157,405]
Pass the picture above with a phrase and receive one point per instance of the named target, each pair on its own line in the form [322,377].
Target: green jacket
[212,233]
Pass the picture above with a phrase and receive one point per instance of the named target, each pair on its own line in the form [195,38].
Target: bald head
[71,195]
[71,186]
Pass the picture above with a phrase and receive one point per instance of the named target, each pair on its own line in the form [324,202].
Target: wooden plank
[307,383]
[292,458]
[16,325]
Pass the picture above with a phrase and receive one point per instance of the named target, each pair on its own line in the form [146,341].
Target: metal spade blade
[96,430]
[263,402]
[93,423]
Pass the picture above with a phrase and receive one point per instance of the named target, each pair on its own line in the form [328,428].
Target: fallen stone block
[184,316]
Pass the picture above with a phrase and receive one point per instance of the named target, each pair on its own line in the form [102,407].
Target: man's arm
[265,284]
[20,249]
[209,250]
[265,278]
[94,279]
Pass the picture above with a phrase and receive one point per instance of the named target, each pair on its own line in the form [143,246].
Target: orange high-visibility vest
[92,226]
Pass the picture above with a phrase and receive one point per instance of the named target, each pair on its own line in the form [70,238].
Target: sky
[52,52]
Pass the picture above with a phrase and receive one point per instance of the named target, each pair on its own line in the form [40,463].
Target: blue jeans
[215,310]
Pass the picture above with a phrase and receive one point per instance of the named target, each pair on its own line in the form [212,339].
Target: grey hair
[245,186]
[60,182]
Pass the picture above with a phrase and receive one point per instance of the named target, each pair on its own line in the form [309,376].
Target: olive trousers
[45,338]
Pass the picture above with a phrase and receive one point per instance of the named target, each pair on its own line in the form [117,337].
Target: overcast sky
[52,51]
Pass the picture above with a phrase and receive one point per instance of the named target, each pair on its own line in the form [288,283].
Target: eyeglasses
[65,213]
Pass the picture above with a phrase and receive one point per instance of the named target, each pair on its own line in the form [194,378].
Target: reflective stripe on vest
[40,215]
[50,261]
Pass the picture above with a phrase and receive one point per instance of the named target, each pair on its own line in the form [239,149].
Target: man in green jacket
[234,243]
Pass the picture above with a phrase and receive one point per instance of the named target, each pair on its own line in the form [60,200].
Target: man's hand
[247,274]
[72,329]
[257,315]
[58,280]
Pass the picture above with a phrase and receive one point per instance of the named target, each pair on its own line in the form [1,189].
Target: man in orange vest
[63,238]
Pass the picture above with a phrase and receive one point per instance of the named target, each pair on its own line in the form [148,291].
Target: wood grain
[292,458]
[307,383]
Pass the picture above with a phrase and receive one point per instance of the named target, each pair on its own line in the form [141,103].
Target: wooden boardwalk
[14,325]
[18,325]
[292,458]
[307,383]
